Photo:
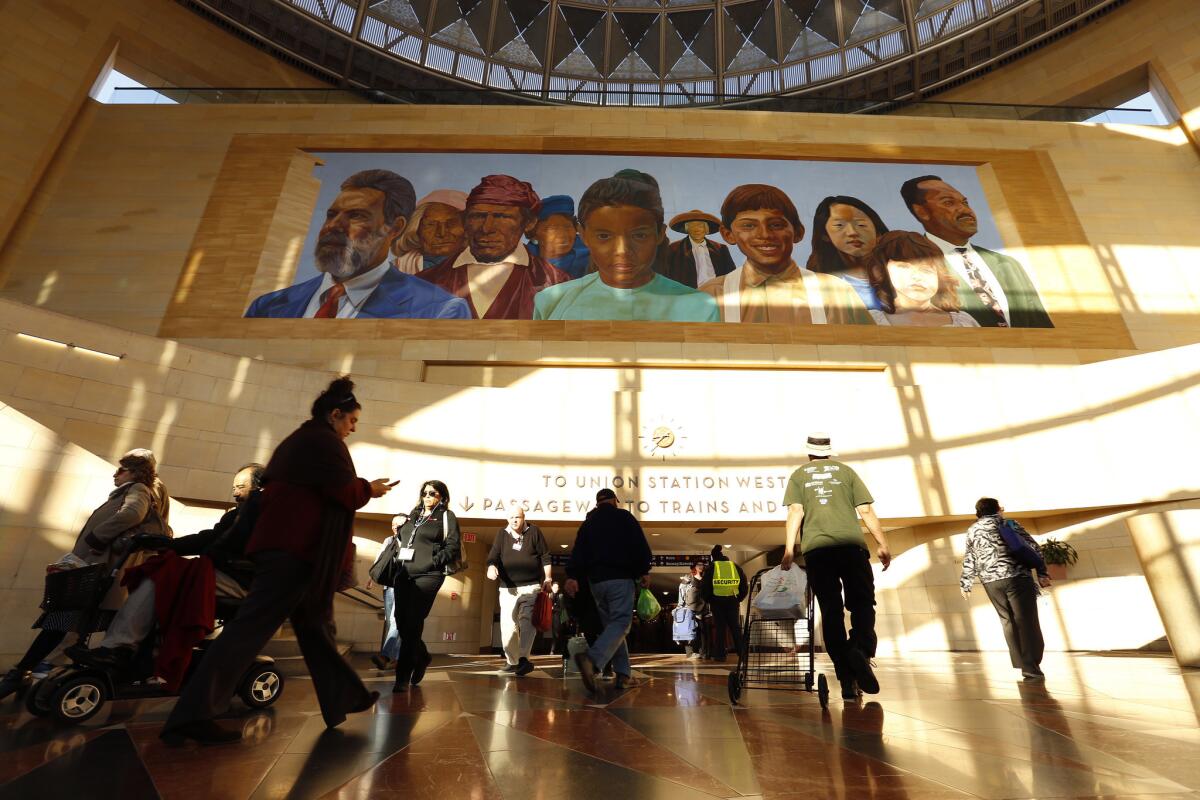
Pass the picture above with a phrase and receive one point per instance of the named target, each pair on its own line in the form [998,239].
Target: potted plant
[1058,555]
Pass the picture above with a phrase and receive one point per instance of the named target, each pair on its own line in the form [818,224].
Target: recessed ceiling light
[729,545]
[563,546]
[656,534]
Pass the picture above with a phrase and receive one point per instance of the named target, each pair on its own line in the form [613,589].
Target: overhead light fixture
[656,534]
[563,546]
[71,346]
[729,545]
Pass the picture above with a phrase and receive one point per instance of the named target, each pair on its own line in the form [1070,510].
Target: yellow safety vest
[725,579]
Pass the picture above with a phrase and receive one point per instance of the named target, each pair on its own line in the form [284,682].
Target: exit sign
[449,636]
[468,538]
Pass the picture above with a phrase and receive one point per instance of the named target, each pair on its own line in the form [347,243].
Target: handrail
[709,100]
[377,605]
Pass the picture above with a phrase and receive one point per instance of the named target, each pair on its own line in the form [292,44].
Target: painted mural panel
[669,239]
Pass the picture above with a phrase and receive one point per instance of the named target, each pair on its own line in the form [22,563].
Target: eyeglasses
[430,493]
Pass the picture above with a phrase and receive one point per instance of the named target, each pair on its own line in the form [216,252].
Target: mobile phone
[393,483]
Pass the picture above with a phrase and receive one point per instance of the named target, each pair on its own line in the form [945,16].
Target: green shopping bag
[648,607]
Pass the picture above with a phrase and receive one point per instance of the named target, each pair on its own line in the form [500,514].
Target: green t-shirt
[830,492]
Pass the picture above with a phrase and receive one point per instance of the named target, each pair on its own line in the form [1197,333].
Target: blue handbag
[1018,548]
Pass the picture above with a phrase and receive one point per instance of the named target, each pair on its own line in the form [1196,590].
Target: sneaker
[1034,674]
[510,668]
[850,691]
[861,666]
[587,672]
[626,682]
[524,667]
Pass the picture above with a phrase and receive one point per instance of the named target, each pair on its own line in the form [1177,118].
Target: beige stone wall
[53,54]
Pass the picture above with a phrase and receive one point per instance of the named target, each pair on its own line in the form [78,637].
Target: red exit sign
[468,538]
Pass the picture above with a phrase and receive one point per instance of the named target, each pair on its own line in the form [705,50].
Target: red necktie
[329,308]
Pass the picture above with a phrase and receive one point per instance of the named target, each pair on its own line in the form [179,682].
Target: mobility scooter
[77,692]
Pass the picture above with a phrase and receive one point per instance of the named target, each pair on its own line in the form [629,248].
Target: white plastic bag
[781,594]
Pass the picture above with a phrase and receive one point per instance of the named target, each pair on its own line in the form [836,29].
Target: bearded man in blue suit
[356,280]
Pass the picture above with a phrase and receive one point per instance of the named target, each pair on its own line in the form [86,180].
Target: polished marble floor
[946,726]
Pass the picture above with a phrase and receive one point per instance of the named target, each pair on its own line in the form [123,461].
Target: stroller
[77,692]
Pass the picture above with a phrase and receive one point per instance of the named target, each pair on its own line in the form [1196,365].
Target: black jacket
[225,542]
[706,585]
[520,567]
[610,544]
[434,546]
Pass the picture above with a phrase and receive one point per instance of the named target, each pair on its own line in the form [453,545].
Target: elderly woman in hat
[696,258]
[137,504]
[433,233]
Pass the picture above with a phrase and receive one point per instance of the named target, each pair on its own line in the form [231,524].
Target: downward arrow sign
[466,504]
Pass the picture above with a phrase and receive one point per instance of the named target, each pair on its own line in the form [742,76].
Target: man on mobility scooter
[183,596]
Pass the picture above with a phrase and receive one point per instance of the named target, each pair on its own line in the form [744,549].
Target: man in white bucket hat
[825,500]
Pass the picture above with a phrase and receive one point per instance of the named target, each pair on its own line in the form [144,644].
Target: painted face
[243,485]
[355,237]
[441,231]
[494,231]
[946,213]
[555,235]
[765,237]
[623,241]
[915,282]
[696,230]
[343,423]
[851,231]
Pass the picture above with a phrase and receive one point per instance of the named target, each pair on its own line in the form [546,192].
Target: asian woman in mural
[621,221]
[913,284]
[845,230]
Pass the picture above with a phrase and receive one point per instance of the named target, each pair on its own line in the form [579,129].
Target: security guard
[724,586]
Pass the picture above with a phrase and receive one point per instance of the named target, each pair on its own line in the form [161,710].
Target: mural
[665,239]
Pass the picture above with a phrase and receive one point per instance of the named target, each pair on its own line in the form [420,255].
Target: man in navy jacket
[612,555]
[356,280]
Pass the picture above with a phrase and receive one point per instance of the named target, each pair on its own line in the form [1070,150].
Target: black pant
[725,616]
[43,645]
[832,573]
[280,583]
[1015,600]
[414,599]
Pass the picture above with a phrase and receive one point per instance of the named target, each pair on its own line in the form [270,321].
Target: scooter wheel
[262,686]
[823,690]
[78,699]
[734,685]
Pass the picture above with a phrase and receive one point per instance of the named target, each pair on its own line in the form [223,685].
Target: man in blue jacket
[612,555]
[356,280]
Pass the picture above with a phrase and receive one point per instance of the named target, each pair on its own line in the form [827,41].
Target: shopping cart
[777,653]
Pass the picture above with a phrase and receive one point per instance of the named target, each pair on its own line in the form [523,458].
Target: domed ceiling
[654,52]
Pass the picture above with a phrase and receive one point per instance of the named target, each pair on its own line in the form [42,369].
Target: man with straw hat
[696,259]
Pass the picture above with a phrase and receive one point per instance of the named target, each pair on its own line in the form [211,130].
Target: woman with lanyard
[426,544]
